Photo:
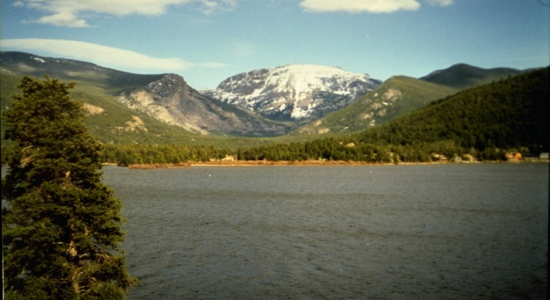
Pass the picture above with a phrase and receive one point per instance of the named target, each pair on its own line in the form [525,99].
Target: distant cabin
[513,155]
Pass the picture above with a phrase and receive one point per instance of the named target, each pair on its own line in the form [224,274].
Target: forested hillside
[507,114]
[482,122]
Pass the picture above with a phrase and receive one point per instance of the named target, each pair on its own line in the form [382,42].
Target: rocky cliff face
[294,92]
[171,100]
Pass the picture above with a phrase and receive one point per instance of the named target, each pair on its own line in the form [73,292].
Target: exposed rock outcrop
[171,100]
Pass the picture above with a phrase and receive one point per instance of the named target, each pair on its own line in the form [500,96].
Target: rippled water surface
[458,231]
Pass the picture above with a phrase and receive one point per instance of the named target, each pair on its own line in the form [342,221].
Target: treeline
[326,150]
[482,123]
[126,155]
[351,149]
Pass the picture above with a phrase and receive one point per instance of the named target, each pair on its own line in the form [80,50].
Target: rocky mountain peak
[300,92]
[171,100]
[166,86]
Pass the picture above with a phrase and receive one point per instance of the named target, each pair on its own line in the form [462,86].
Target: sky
[206,41]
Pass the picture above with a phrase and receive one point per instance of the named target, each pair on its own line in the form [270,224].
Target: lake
[444,231]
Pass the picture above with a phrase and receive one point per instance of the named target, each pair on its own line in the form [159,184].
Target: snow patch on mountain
[294,92]
[38,59]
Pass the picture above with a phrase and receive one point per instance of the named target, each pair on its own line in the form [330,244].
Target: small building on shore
[513,156]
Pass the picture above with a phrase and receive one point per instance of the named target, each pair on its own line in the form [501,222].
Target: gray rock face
[171,100]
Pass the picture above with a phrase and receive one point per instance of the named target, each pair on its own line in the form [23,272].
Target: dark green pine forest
[484,122]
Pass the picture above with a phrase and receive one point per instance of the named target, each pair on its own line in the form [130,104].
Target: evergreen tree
[60,225]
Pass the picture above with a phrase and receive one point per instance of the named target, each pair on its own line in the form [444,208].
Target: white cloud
[440,2]
[61,19]
[359,6]
[103,55]
[71,13]
[209,7]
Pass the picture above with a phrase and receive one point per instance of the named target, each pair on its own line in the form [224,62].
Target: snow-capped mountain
[294,92]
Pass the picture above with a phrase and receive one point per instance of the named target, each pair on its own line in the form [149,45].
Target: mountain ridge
[184,112]
[295,92]
[462,76]
[164,97]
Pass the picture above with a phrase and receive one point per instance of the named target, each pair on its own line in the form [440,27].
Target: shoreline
[265,163]
[159,166]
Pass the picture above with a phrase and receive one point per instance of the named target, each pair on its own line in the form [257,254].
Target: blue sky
[207,41]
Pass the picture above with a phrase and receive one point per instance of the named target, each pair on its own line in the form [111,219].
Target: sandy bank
[159,166]
[253,163]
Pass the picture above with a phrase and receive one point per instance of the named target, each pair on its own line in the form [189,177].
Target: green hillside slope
[112,81]
[108,120]
[113,123]
[397,96]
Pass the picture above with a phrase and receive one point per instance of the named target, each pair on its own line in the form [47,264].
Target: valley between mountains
[306,101]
